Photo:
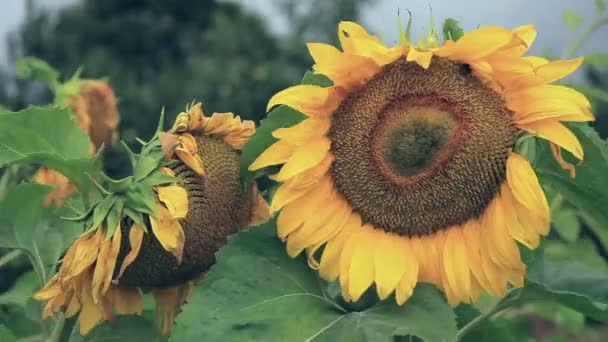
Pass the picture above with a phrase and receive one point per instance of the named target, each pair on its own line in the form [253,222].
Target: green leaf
[6,335]
[566,223]
[600,5]
[597,59]
[588,192]
[255,292]
[584,251]
[452,29]
[101,211]
[575,286]
[114,217]
[123,328]
[47,136]
[141,198]
[21,290]
[594,93]
[282,116]
[146,164]
[158,178]
[136,216]
[31,68]
[572,19]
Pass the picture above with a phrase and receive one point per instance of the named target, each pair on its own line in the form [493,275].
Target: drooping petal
[127,301]
[175,198]
[391,258]
[91,314]
[104,268]
[169,232]
[517,228]
[456,264]
[303,131]
[136,236]
[409,279]
[556,133]
[361,270]
[192,160]
[556,151]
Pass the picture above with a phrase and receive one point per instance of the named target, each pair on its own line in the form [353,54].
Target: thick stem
[57,329]
[478,320]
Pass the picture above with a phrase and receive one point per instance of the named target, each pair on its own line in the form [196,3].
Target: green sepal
[114,217]
[452,30]
[101,211]
[158,178]
[404,36]
[141,198]
[136,216]
[31,68]
[117,186]
[147,163]
[81,216]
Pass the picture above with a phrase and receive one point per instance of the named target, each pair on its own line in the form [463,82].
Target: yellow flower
[102,273]
[404,170]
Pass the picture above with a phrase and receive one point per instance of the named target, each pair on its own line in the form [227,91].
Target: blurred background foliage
[159,53]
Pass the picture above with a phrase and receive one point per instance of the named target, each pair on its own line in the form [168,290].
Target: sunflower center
[412,137]
[418,151]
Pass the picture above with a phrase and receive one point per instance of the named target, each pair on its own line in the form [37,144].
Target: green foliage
[47,136]
[256,293]
[29,226]
[452,29]
[6,335]
[36,69]
[600,5]
[123,328]
[572,19]
[597,59]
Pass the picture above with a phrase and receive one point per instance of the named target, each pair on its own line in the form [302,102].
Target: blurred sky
[380,17]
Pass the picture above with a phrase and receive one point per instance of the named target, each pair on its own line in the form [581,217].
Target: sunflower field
[446,187]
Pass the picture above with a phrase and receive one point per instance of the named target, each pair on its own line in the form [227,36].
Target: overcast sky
[380,17]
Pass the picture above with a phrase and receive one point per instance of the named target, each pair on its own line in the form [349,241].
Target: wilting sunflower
[94,105]
[159,229]
[404,169]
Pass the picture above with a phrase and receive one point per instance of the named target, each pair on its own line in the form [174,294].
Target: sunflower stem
[57,329]
[574,46]
[7,258]
[479,319]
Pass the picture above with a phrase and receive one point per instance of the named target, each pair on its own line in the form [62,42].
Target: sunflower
[404,169]
[158,230]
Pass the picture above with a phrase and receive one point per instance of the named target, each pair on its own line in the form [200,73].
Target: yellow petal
[549,101]
[523,38]
[344,69]
[472,239]
[408,281]
[127,301]
[84,254]
[286,194]
[167,171]
[136,236]
[305,157]
[544,72]
[294,214]
[106,262]
[456,264]
[91,314]
[318,228]
[502,249]
[556,133]
[329,267]
[50,290]
[525,186]
[312,100]
[525,235]
[175,199]
[277,153]
[303,131]
[361,271]
[356,40]
[391,257]
[428,256]
[169,232]
[476,44]
[422,58]
[192,160]
[260,211]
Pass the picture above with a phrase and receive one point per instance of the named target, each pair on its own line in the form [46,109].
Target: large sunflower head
[158,229]
[404,169]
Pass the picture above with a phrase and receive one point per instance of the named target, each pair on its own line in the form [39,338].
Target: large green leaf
[282,116]
[47,136]
[578,287]
[255,292]
[6,335]
[588,191]
[123,328]
[486,330]
[27,225]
